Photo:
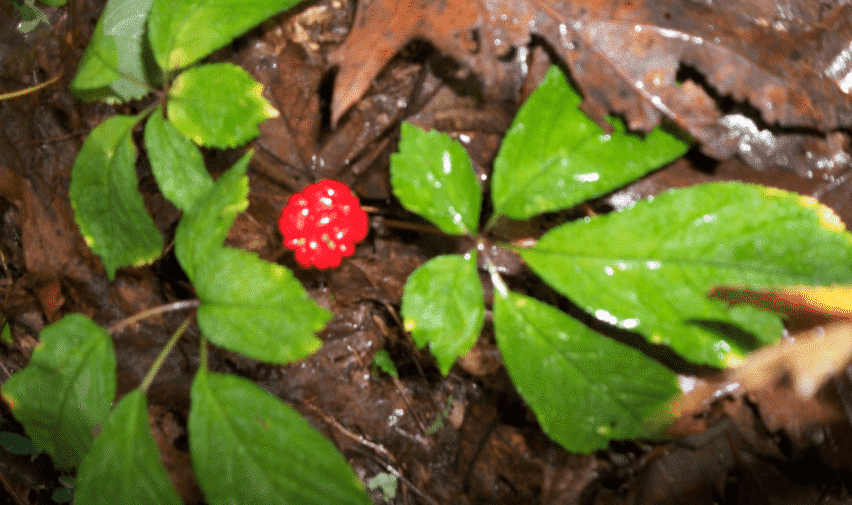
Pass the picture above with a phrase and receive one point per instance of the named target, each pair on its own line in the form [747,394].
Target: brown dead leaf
[742,81]
[475,33]
[768,81]
[803,306]
[807,360]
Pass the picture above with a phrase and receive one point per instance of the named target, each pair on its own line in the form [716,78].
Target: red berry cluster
[322,224]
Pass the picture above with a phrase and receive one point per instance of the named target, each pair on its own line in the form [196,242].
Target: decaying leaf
[770,82]
[808,359]
[803,306]
[475,33]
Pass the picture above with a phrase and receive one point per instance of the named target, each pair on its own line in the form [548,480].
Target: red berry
[322,224]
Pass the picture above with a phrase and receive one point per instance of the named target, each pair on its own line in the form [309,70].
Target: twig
[12,493]
[377,448]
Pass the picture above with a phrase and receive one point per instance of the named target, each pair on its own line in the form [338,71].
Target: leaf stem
[203,353]
[491,221]
[169,307]
[161,358]
[496,280]
[405,225]
[31,89]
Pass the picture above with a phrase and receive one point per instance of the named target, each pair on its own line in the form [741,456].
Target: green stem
[203,358]
[31,89]
[496,280]
[161,358]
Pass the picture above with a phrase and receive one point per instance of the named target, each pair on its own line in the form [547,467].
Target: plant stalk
[161,358]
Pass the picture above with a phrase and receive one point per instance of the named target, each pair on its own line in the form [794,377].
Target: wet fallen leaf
[768,83]
[803,306]
[807,360]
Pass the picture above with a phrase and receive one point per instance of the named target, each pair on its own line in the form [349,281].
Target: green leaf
[31,16]
[16,444]
[107,204]
[176,163]
[5,332]
[184,31]
[443,306]
[218,105]
[65,392]
[554,157]
[248,305]
[432,176]
[386,482]
[382,361]
[648,268]
[124,465]
[584,388]
[203,228]
[115,65]
[256,308]
[249,447]
[62,495]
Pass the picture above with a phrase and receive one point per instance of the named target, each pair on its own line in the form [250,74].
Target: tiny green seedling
[385,481]
[382,361]
[5,332]
[441,418]
[31,16]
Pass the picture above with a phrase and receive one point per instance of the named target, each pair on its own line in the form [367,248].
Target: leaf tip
[267,110]
[409,324]
[827,217]
[733,360]
[90,240]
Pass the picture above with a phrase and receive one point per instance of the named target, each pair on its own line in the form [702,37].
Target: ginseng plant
[645,269]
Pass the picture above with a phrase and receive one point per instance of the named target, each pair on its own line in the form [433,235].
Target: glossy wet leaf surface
[584,388]
[645,62]
[432,176]
[554,157]
[443,307]
[467,437]
[660,257]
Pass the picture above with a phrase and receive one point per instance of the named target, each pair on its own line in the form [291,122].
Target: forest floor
[763,87]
